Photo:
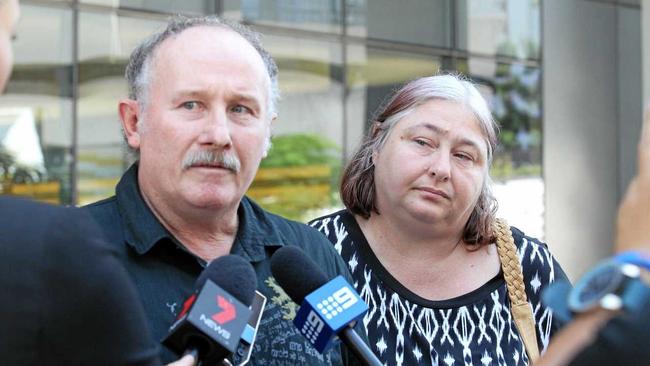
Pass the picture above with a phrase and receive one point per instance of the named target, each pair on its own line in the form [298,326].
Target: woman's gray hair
[138,69]
[358,182]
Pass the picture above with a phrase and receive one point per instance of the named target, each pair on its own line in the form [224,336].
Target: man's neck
[207,233]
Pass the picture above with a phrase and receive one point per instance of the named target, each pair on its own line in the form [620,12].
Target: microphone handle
[358,347]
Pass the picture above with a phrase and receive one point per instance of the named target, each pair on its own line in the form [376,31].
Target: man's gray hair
[138,69]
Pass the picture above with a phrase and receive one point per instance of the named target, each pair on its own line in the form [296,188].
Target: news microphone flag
[326,311]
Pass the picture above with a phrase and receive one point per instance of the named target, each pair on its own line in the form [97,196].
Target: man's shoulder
[290,229]
[102,209]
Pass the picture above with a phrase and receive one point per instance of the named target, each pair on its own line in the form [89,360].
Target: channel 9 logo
[327,310]
[335,304]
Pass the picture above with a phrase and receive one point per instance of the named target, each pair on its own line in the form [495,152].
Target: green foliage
[299,198]
[503,169]
[300,150]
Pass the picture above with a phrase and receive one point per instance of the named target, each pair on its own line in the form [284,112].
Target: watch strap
[636,297]
[634,257]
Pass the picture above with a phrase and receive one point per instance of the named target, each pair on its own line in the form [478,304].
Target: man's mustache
[227,160]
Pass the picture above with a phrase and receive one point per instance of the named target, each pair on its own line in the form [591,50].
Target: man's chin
[214,200]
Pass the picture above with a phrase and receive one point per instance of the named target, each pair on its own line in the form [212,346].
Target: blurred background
[564,78]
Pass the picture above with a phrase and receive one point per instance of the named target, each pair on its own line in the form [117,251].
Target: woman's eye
[421,142]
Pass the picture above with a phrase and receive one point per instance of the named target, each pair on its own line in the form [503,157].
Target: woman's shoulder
[526,243]
[326,222]
[537,261]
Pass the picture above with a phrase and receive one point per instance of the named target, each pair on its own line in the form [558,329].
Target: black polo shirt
[164,271]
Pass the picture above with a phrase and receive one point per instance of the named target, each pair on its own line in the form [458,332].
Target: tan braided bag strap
[512,272]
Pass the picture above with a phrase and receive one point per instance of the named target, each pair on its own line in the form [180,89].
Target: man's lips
[210,166]
[434,191]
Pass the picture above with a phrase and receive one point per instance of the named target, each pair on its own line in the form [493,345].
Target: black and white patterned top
[473,329]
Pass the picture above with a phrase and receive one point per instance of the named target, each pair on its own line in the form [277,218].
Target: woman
[417,233]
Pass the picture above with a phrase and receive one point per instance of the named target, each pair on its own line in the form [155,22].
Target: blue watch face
[602,280]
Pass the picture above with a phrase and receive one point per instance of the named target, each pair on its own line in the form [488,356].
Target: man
[202,101]
[67,300]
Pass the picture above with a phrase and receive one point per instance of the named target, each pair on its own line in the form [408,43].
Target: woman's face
[433,165]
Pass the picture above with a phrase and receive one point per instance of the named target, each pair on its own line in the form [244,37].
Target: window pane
[372,76]
[163,6]
[500,27]
[316,15]
[105,42]
[423,22]
[514,93]
[299,177]
[36,112]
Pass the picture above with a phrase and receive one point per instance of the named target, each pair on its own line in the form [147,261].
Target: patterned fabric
[473,329]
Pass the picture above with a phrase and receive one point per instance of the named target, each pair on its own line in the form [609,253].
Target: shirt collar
[143,231]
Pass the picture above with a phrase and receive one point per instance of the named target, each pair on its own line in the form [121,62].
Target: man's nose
[216,130]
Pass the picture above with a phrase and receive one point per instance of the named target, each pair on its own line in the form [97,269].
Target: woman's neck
[435,267]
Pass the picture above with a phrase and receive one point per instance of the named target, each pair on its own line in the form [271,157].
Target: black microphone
[213,318]
[328,308]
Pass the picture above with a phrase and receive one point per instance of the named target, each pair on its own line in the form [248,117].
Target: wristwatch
[612,285]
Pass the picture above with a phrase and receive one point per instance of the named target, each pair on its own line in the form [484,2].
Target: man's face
[207,99]
[9,14]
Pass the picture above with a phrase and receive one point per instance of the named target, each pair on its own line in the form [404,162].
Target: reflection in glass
[105,43]
[163,6]
[299,177]
[425,22]
[499,27]
[316,15]
[35,112]
[372,76]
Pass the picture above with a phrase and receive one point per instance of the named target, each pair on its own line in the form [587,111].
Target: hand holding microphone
[214,317]
[328,308]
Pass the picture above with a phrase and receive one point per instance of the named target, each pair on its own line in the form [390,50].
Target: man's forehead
[211,43]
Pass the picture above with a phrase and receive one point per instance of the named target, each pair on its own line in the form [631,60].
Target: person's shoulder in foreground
[66,287]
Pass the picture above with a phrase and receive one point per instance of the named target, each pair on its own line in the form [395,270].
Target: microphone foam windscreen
[233,274]
[296,273]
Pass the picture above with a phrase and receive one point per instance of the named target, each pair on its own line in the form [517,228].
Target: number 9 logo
[345,297]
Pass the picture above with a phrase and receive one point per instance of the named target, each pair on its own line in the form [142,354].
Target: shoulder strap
[512,272]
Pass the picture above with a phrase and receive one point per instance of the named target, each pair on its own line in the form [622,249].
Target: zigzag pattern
[479,332]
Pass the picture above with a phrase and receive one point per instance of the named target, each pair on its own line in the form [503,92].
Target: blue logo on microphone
[327,310]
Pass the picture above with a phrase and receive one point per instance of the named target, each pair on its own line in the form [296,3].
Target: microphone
[214,317]
[328,308]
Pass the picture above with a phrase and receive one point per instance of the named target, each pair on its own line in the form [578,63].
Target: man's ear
[130,115]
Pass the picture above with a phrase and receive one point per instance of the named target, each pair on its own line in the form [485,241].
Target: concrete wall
[592,98]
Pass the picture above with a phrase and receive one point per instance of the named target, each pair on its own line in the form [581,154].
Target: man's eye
[240,109]
[190,106]
[464,156]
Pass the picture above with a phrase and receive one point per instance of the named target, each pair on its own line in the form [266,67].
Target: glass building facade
[60,136]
